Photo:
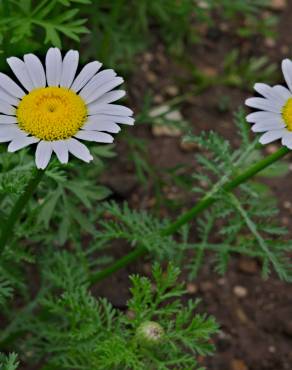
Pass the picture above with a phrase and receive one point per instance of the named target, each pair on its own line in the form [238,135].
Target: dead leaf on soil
[238,365]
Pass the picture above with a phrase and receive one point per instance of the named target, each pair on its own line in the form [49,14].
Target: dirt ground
[255,315]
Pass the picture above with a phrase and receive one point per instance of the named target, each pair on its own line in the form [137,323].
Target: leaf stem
[204,203]
[8,225]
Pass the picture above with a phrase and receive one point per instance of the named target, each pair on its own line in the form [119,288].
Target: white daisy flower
[57,109]
[275,117]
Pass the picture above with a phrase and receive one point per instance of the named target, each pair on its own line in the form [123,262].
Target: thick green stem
[8,225]
[204,203]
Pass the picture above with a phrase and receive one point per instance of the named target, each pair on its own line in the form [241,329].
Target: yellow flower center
[51,113]
[287,114]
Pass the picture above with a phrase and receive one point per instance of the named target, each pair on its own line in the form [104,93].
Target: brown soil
[255,315]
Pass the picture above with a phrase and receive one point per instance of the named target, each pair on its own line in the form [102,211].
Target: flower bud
[150,333]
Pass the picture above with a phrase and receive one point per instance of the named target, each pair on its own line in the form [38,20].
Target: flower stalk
[204,203]
[8,225]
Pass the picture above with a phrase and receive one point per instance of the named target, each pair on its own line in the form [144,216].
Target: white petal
[283,91]
[60,147]
[262,89]
[7,108]
[53,66]
[110,97]
[265,104]
[99,137]
[8,98]
[19,69]
[21,142]
[7,119]
[104,89]
[79,150]
[5,139]
[35,70]
[10,132]
[98,80]
[5,125]
[287,139]
[117,119]
[69,68]
[9,129]
[87,72]
[108,126]
[267,126]
[258,116]
[270,136]
[10,86]
[269,93]
[111,109]
[272,120]
[287,72]
[43,154]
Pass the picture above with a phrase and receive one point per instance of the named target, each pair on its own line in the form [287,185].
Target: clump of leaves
[123,28]
[60,198]
[245,16]
[27,25]
[9,362]
[74,330]
[243,72]
[242,222]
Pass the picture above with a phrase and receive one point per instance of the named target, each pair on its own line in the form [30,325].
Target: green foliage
[237,71]
[122,28]
[244,73]
[244,221]
[141,228]
[250,11]
[6,291]
[68,327]
[9,362]
[232,8]
[26,25]
[61,212]
[79,331]
[59,199]
[50,313]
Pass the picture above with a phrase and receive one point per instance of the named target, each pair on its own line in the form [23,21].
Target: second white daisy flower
[57,110]
[275,115]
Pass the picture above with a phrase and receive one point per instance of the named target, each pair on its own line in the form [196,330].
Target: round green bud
[150,333]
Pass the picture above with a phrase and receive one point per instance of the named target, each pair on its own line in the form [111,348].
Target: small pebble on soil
[240,291]
[192,288]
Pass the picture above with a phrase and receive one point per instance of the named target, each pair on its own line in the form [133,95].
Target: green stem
[8,225]
[204,203]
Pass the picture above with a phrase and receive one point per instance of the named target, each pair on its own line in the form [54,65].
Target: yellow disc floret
[51,113]
[287,114]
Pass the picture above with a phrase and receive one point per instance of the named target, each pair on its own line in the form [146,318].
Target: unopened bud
[150,333]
